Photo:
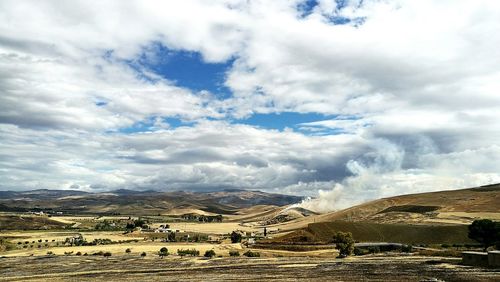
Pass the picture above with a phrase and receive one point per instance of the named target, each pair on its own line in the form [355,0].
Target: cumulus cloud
[408,90]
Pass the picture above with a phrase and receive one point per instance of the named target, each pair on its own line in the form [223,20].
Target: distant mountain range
[138,202]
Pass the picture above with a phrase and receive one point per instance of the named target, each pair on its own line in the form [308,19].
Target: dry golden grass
[151,248]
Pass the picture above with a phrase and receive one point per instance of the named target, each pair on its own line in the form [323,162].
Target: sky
[344,101]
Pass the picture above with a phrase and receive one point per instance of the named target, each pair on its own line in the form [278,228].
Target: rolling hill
[129,202]
[428,218]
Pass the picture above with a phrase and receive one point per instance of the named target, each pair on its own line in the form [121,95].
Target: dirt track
[71,268]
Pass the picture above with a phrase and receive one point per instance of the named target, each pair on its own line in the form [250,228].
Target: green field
[396,233]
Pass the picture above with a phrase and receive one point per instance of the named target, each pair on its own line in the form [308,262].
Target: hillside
[139,202]
[427,218]
[443,207]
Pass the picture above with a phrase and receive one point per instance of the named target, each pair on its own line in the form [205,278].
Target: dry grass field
[174,268]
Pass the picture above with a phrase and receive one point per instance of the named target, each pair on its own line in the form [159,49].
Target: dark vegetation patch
[395,233]
[488,188]
[411,209]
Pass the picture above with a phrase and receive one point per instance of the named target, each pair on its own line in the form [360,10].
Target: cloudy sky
[345,100]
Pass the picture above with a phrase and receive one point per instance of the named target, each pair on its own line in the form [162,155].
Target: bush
[251,254]
[107,254]
[191,252]
[209,254]
[407,248]
[373,250]
[235,237]
[163,252]
[68,253]
[50,253]
[485,231]
[344,243]
[234,253]
[78,253]
[143,254]
[128,250]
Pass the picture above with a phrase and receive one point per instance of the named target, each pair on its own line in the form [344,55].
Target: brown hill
[443,207]
[127,202]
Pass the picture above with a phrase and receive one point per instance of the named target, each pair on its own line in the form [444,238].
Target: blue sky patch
[283,120]
[184,68]
[306,8]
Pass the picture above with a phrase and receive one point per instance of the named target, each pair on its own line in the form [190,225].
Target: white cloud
[420,77]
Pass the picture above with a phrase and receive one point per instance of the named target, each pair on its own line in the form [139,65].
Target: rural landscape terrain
[238,235]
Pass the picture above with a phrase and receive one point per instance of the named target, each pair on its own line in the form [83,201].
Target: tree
[209,254]
[485,231]
[163,252]
[344,242]
[235,237]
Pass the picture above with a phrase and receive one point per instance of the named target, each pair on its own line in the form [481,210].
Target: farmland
[174,268]
[281,242]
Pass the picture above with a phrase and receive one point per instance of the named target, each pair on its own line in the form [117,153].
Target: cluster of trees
[486,232]
[136,223]
[202,218]
[106,225]
[80,241]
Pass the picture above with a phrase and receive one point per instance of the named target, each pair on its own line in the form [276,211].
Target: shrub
[78,253]
[143,254]
[99,253]
[344,243]
[107,254]
[50,253]
[373,250]
[68,253]
[407,248]
[190,252]
[235,237]
[209,254]
[234,253]
[163,252]
[251,254]
[128,250]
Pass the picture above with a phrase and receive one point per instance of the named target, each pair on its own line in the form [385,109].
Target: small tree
[209,254]
[163,252]
[235,237]
[344,243]
[485,231]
